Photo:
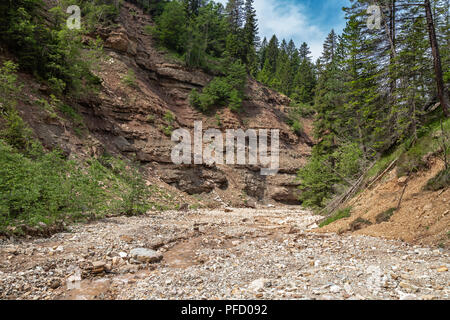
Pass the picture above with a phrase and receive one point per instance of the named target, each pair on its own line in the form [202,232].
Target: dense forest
[370,91]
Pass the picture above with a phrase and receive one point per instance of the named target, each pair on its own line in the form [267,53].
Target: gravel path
[221,254]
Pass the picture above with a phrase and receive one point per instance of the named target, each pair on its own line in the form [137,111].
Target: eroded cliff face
[130,120]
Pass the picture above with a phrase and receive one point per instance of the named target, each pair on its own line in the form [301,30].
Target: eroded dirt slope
[423,217]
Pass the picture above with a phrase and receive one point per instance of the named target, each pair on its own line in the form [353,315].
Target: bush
[235,101]
[221,91]
[297,127]
[169,117]
[410,162]
[194,99]
[349,160]
[316,182]
[130,79]
[46,188]
[343,213]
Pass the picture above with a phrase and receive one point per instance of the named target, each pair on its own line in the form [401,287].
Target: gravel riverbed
[219,254]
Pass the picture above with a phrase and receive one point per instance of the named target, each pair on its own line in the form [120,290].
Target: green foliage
[301,110]
[15,132]
[8,83]
[129,79]
[171,28]
[218,120]
[343,213]
[46,188]
[296,113]
[235,101]
[168,130]
[349,160]
[297,126]
[221,91]
[52,52]
[169,117]
[194,99]
[316,182]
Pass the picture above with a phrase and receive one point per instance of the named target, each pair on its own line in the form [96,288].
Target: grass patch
[129,79]
[343,213]
[385,215]
[440,181]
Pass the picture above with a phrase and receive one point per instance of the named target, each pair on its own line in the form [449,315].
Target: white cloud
[288,20]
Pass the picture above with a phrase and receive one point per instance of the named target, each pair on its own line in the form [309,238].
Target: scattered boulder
[98,266]
[442,269]
[117,41]
[259,284]
[144,255]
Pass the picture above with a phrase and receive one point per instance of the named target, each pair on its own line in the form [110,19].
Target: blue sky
[302,20]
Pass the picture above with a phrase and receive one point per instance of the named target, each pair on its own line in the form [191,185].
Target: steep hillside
[423,216]
[407,193]
[141,88]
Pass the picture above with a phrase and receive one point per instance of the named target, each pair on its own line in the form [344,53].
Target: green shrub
[343,213]
[316,182]
[235,101]
[221,91]
[168,130]
[410,162]
[130,79]
[349,159]
[194,99]
[218,120]
[169,117]
[297,126]
[47,188]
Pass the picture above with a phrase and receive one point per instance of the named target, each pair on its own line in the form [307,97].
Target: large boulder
[145,255]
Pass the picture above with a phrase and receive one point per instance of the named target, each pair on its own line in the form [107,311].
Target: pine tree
[235,12]
[251,39]
[304,52]
[304,80]
[329,48]
[192,7]
[262,53]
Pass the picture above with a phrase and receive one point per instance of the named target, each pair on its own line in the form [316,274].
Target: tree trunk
[442,92]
